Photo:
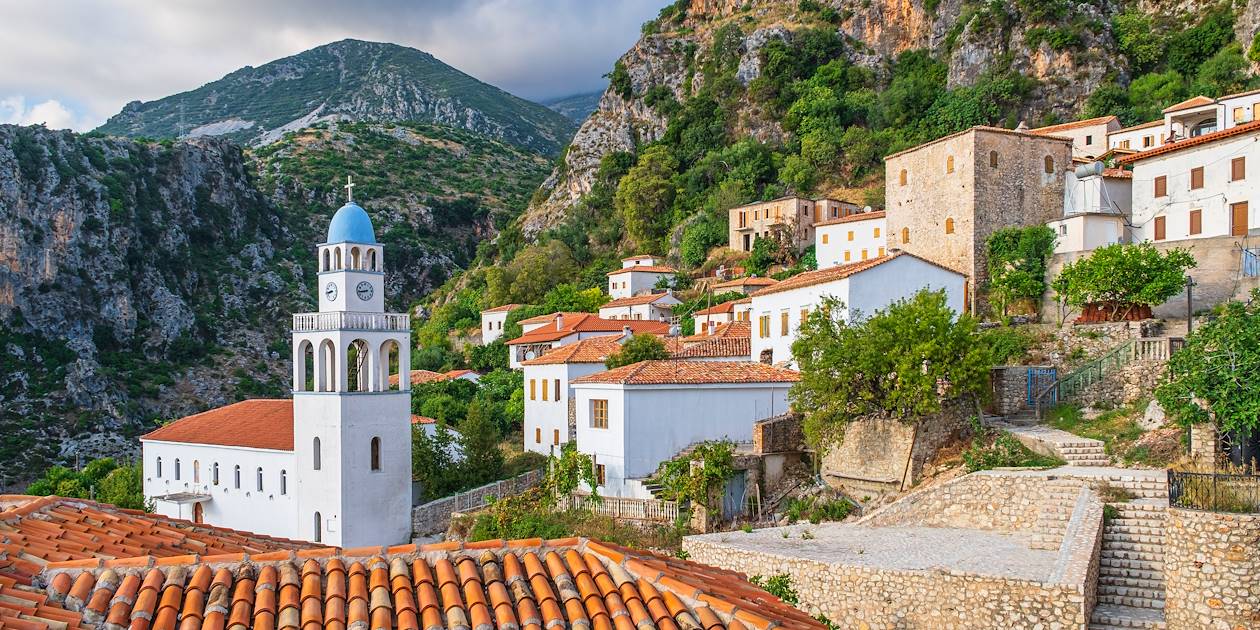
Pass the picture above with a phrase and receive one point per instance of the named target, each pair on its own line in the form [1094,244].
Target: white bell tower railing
[350,320]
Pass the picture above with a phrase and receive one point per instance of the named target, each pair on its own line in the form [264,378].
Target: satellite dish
[866,209]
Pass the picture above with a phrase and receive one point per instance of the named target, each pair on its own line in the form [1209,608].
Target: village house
[638,274]
[1089,137]
[462,375]
[944,198]
[1188,119]
[747,285]
[332,464]
[566,328]
[723,313]
[863,287]
[1097,209]
[655,307]
[547,389]
[794,216]
[492,321]
[851,238]
[677,403]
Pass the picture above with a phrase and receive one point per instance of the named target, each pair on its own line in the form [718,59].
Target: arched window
[902,177]
[305,369]
[1049,164]
[159,466]
[359,366]
[326,266]
[214,473]
[284,482]
[993,159]
[176,469]
[390,369]
[354,258]
[315,450]
[319,527]
[260,485]
[337,258]
[196,471]
[327,370]
[949,225]
[371,258]
[949,164]
[376,453]
[905,235]
[237,475]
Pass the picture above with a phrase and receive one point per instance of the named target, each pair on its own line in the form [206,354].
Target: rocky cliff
[144,281]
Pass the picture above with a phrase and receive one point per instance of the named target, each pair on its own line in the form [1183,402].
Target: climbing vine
[680,480]
[1017,263]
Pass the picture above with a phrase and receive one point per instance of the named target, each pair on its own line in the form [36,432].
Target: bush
[1017,263]
[638,348]
[1003,450]
[700,237]
[1149,277]
[1006,344]
[816,510]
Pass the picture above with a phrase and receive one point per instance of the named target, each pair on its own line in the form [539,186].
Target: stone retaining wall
[1124,386]
[1211,570]
[780,434]
[1204,443]
[886,453]
[435,516]
[1009,389]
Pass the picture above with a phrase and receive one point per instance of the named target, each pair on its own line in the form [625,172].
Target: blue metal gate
[1251,262]
[733,497]
[1039,378]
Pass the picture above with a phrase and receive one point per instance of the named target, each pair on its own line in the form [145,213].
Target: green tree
[638,348]
[645,196]
[538,269]
[124,487]
[432,462]
[479,439]
[1224,73]
[1017,263]
[1123,276]
[1189,48]
[903,361]
[1213,378]
[701,236]
[1137,39]
[102,479]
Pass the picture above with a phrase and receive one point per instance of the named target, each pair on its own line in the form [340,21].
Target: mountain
[575,107]
[346,80]
[144,281]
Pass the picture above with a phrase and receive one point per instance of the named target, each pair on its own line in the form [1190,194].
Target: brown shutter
[1161,186]
[1196,221]
[1238,169]
[1159,228]
[1238,219]
[1196,178]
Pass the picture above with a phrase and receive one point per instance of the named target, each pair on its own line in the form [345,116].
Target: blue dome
[351,225]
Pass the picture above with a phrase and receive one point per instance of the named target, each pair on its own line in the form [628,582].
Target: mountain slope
[346,80]
[575,107]
[145,281]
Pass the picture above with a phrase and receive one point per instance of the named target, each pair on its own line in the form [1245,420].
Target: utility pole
[1189,305]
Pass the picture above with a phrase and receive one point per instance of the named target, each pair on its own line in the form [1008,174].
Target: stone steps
[1132,601]
[1107,562]
[1127,581]
[1111,590]
[1154,557]
[1112,617]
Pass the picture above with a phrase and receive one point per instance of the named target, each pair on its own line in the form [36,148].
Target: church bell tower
[351,396]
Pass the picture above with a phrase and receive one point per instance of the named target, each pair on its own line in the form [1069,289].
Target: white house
[649,306]
[632,418]
[705,318]
[1189,119]
[566,328]
[741,311]
[1197,188]
[492,320]
[747,285]
[849,239]
[864,287]
[1089,137]
[461,375]
[331,465]
[638,274]
[548,391]
[1097,209]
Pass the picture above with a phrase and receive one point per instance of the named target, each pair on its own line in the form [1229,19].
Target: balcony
[350,320]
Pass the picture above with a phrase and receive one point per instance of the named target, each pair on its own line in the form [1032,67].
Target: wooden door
[1238,219]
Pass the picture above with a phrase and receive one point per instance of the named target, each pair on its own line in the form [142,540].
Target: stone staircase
[1131,566]
[1042,438]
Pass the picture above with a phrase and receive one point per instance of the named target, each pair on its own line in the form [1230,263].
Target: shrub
[1003,450]
[638,348]
[1123,276]
[1017,263]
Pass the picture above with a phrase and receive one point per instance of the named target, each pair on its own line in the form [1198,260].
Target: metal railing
[1073,383]
[1250,262]
[1214,492]
[350,320]
[646,510]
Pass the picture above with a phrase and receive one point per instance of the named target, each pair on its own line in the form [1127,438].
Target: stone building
[944,198]
[794,215]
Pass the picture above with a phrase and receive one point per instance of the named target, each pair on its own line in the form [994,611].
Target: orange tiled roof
[588,322]
[500,309]
[691,373]
[589,350]
[453,374]
[639,257]
[860,216]
[1117,173]
[746,282]
[37,530]
[1145,125]
[422,419]
[1077,124]
[724,307]
[519,585]
[1197,101]
[543,319]
[715,347]
[257,423]
[831,274]
[634,300]
[645,269]
[420,377]
[24,608]
[731,330]
[1191,142]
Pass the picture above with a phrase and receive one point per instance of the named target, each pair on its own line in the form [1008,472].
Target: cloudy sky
[73,63]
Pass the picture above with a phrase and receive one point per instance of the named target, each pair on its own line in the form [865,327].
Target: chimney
[626,334]
[559,321]
[712,326]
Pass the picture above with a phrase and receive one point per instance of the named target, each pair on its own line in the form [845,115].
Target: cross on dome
[349,188]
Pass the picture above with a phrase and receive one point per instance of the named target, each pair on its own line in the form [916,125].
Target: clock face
[364,290]
[330,290]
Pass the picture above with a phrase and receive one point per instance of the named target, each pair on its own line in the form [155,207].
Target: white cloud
[50,113]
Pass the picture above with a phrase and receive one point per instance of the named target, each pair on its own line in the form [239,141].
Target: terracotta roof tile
[503,308]
[853,218]
[635,300]
[589,350]
[643,269]
[729,330]
[639,257]
[260,423]
[715,347]
[724,307]
[587,322]
[1077,124]
[1190,103]
[1170,147]
[1146,125]
[831,274]
[691,373]
[419,377]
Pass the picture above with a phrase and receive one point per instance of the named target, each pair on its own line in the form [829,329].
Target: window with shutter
[599,414]
[783,323]
[1196,221]
[1238,169]
[557,398]
[532,392]
[1196,178]
[537,435]
[1161,186]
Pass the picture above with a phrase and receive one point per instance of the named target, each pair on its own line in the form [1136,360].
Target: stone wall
[1205,446]
[1211,570]
[780,434]
[886,454]
[435,516]
[986,500]
[1124,386]
[1008,386]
